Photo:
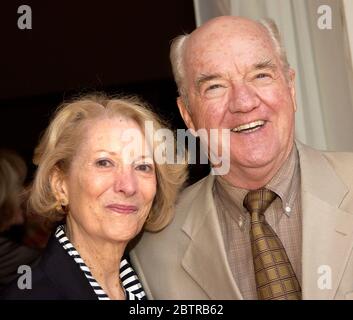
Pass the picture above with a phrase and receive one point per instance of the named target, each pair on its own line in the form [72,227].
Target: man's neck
[255,178]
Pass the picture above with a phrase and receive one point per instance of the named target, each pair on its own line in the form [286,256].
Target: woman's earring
[61,206]
[58,207]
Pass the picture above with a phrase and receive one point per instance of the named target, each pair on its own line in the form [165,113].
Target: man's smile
[249,127]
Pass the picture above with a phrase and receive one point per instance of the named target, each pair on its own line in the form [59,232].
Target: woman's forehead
[119,136]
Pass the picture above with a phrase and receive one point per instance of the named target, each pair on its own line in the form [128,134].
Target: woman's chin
[121,235]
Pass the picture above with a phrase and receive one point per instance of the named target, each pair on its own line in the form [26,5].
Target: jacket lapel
[65,274]
[205,259]
[327,229]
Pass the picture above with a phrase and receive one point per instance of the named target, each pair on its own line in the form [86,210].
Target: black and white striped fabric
[131,284]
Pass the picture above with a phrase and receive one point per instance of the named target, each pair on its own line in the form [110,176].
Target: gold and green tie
[274,275]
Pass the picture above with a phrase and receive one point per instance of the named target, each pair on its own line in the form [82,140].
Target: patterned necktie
[275,278]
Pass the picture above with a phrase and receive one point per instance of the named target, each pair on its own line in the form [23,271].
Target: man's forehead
[224,27]
[225,37]
[246,53]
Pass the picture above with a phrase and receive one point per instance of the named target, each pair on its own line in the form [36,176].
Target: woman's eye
[145,167]
[104,163]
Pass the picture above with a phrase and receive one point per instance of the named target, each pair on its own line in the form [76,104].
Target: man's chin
[253,160]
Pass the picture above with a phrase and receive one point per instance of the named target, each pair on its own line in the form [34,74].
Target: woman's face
[111,184]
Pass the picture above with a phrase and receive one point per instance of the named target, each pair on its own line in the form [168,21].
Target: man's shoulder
[193,192]
[343,159]
[342,163]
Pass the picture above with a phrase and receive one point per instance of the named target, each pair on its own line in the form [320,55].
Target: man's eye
[104,163]
[214,86]
[262,75]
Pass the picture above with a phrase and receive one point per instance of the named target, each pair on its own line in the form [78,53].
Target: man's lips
[249,127]
[122,208]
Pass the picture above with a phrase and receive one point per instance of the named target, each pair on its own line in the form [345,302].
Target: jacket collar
[207,248]
[327,229]
[64,273]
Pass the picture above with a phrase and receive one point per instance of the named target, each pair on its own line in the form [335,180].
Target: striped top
[131,284]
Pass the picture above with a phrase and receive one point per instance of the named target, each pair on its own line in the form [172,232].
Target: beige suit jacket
[187,260]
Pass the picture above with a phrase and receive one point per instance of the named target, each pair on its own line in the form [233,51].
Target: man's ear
[185,113]
[291,82]
[59,186]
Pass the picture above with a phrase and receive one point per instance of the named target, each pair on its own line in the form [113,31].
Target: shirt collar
[285,183]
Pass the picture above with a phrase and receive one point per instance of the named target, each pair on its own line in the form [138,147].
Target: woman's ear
[59,187]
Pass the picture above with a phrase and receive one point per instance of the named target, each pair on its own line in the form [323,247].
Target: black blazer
[56,277]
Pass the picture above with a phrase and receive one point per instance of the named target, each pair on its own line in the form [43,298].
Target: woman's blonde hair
[65,132]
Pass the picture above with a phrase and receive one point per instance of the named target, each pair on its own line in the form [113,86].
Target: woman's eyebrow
[107,151]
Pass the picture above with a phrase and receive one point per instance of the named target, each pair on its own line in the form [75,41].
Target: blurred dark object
[13,252]
[37,231]
[15,233]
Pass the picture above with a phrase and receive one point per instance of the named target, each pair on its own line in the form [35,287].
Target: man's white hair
[177,51]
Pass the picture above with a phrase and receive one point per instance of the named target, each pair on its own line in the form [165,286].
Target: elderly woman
[98,177]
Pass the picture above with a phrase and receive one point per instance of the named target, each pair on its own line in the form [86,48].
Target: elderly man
[279,224]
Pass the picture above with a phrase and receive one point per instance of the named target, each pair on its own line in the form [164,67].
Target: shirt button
[241,223]
[288,209]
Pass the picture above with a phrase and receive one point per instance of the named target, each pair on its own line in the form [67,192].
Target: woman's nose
[125,182]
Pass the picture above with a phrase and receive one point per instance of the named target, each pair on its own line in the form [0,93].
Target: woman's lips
[121,208]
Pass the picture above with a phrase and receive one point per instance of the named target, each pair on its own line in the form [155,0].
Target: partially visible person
[13,252]
[37,231]
[97,177]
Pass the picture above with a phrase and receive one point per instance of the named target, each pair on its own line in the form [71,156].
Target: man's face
[235,80]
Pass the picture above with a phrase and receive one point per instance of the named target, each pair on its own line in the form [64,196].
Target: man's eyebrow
[206,77]
[265,64]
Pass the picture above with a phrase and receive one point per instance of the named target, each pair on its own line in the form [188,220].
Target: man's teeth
[249,126]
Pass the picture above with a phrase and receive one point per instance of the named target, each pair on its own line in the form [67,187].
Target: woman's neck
[102,257]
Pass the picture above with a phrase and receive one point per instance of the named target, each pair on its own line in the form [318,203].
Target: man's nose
[243,98]
[125,182]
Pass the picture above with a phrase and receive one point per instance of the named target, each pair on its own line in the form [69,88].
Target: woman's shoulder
[56,276]
[30,285]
